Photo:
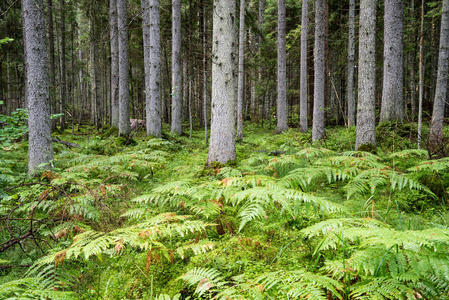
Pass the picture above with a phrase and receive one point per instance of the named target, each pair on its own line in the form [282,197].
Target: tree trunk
[113,31]
[392,108]
[63,87]
[351,51]
[154,123]
[421,75]
[40,151]
[241,75]
[176,125]
[222,139]
[436,127]
[319,85]
[51,61]
[124,123]
[366,119]
[303,71]
[281,70]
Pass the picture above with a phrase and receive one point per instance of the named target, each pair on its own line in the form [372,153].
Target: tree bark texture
[51,61]
[222,139]
[154,122]
[122,19]
[351,51]
[366,121]
[319,85]
[176,125]
[303,71]
[241,75]
[436,127]
[40,149]
[281,70]
[392,108]
[63,86]
[113,29]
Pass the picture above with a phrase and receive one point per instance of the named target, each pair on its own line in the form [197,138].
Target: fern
[204,279]
[32,288]
[382,288]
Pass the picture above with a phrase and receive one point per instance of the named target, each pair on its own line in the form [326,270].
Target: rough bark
[351,51]
[51,61]
[281,112]
[241,75]
[176,125]
[319,85]
[303,71]
[222,139]
[392,108]
[124,123]
[154,122]
[421,75]
[40,151]
[62,74]
[366,121]
[436,127]
[113,31]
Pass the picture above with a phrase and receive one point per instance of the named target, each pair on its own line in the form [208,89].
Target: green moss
[111,132]
[368,147]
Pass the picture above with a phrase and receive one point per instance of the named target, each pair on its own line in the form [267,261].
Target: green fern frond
[197,248]
[167,297]
[361,160]
[204,279]
[381,288]
[328,226]
[410,153]
[437,165]
[32,288]
[312,153]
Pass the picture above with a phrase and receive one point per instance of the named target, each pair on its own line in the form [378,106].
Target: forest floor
[287,219]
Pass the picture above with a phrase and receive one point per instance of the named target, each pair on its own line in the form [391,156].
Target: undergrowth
[288,220]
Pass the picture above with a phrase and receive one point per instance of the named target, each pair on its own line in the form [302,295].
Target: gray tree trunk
[176,125]
[94,74]
[123,46]
[421,75]
[205,93]
[303,72]
[281,112]
[241,75]
[113,31]
[51,61]
[319,78]
[154,122]
[436,127]
[366,119]
[222,139]
[351,51]
[392,108]
[146,20]
[63,87]
[40,149]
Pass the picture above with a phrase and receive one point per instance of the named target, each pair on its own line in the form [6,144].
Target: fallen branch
[68,144]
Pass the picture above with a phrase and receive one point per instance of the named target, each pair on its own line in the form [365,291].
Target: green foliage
[13,127]
[265,227]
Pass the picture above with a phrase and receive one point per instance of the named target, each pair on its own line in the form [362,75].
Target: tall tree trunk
[303,71]
[319,85]
[40,151]
[421,75]
[241,75]
[154,122]
[351,51]
[436,127]
[51,61]
[366,119]
[63,86]
[205,73]
[123,46]
[281,70]
[113,31]
[392,108]
[222,139]
[176,125]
